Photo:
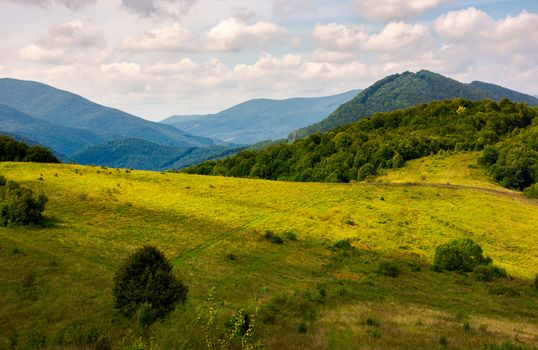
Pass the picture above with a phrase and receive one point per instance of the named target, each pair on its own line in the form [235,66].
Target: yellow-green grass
[98,216]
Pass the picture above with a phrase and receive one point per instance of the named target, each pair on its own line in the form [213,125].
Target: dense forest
[13,150]
[387,140]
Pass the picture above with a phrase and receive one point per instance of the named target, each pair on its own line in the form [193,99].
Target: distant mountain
[261,119]
[146,155]
[409,89]
[94,123]
[62,139]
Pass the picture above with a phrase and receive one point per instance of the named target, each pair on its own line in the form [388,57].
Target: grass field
[57,281]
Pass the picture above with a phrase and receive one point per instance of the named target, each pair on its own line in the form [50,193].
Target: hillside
[94,123]
[409,89]
[212,228]
[63,139]
[386,140]
[145,155]
[261,119]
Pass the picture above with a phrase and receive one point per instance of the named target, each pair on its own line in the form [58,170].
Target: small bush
[301,328]
[536,281]
[231,256]
[459,255]
[146,277]
[271,237]
[343,244]
[487,273]
[371,322]
[531,191]
[290,235]
[19,205]
[466,326]
[443,341]
[388,268]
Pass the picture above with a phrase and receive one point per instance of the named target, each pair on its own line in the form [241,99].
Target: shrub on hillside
[459,255]
[388,268]
[272,237]
[487,273]
[536,281]
[532,191]
[146,279]
[19,205]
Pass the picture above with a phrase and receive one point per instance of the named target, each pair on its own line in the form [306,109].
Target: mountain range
[79,130]
[409,89]
[261,119]
[68,123]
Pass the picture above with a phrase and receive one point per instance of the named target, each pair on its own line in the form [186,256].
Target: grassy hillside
[261,119]
[409,89]
[56,281]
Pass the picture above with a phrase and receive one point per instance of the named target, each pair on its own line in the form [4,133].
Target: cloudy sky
[155,58]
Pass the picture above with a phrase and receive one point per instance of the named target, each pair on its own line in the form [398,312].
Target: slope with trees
[409,89]
[387,140]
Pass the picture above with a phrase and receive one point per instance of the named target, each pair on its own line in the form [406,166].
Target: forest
[504,130]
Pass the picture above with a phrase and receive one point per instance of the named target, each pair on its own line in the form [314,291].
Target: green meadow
[56,289]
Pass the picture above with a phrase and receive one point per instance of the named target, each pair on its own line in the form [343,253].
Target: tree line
[387,140]
[12,150]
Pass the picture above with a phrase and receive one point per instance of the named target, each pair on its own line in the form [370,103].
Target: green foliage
[513,162]
[13,150]
[387,140]
[290,235]
[343,244]
[146,279]
[19,205]
[531,191]
[272,237]
[536,282]
[459,255]
[301,328]
[388,268]
[487,273]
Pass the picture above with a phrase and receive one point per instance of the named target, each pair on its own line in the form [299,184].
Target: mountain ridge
[408,89]
[260,119]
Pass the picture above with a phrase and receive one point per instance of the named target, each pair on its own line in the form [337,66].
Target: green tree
[459,255]
[19,205]
[146,278]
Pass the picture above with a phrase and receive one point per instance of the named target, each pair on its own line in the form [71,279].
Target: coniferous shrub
[459,255]
[19,205]
[146,279]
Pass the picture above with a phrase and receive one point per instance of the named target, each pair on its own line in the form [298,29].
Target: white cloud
[72,34]
[232,35]
[147,8]
[72,4]
[462,24]
[393,37]
[122,68]
[395,9]
[397,36]
[291,8]
[340,37]
[171,38]
[39,54]
[322,55]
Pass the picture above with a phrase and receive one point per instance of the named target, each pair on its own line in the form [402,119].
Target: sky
[156,58]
